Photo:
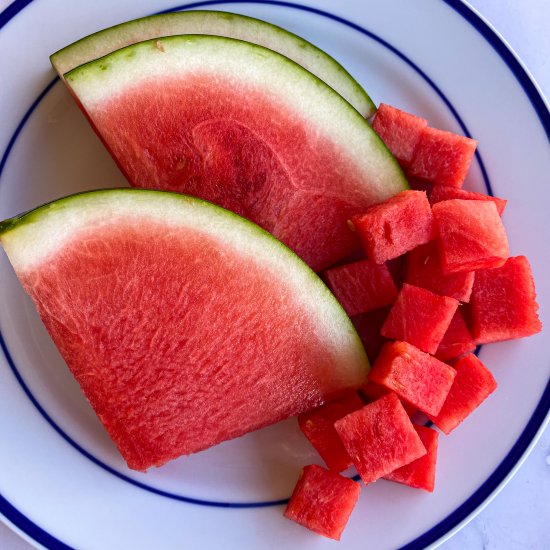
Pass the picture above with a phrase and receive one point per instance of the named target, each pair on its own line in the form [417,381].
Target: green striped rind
[217,23]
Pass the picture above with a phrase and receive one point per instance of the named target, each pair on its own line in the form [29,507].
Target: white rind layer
[31,239]
[219,24]
[236,63]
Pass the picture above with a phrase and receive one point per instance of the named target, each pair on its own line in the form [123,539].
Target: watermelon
[457,340]
[413,375]
[472,385]
[361,286]
[423,269]
[371,392]
[244,127]
[441,193]
[471,235]
[368,326]
[323,501]
[380,438]
[399,130]
[184,324]
[395,226]
[419,474]
[216,23]
[419,317]
[504,303]
[318,426]
[442,157]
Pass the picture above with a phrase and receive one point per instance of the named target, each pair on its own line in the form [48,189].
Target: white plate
[62,482]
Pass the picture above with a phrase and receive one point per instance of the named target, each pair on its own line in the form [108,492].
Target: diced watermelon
[443,193]
[361,286]
[423,269]
[457,340]
[368,326]
[471,235]
[323,501]
[472,385]
[395,226]
[442,157]
[419,317]
[419,474]
[413,375]
[399,130]
[504,303]
[371,392]
[380,438]
[318,426]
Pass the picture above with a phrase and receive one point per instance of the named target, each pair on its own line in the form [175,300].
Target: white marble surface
[519,516]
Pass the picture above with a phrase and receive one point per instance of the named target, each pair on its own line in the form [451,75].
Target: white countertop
[519,516]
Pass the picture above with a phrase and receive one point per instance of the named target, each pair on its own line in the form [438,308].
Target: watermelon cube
[391,228]
[368,326]
[419,317]
[472,385]
[419,474]
[361,286]
[423,269]
[442,158]
[318,426]
[457,340]
[323,501]
[471,235]
[370,392]
[441,193]
[400,131]
[413,375]
[504,303]
[380,438]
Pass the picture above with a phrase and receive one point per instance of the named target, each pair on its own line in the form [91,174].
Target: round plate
[63,483]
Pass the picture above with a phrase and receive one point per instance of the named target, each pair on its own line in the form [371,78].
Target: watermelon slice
[323,501]
[441,193]
[457,340]
[216,23]
[184,324]
[243,127]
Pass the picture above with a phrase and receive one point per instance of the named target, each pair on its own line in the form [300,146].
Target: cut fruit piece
[504,303]
[318,426]
[395,226]
[471,235]
[399,130]
[380,438]
[368,326]
[441,193]
[472,385]
[420,474]
[361,286]
[372,392]
[442,157]
[419,317]
[323,501]
[184,324]
[216,23]
[413,375]
[294,157]
[457,340]
[423,269]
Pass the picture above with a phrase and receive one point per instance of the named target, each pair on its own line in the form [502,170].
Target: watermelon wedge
[243,127]
[217,23]
[184,324]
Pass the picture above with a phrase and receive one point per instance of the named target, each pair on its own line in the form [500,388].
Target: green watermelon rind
[242,27]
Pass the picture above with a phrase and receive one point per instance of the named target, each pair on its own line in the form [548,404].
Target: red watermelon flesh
[471,235]
[371,392]
[457,340]
[419,317]
[323,501]
[361,286]
[413,375]
[368,326]
[504,303]
[442,157]
[472,385]
[420,474]
[441,193]
[389,229]
[399,130]
[380,438]
[318,426]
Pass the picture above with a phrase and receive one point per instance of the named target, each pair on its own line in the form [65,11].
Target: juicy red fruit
[441,193]
[457,340]
[368,327]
